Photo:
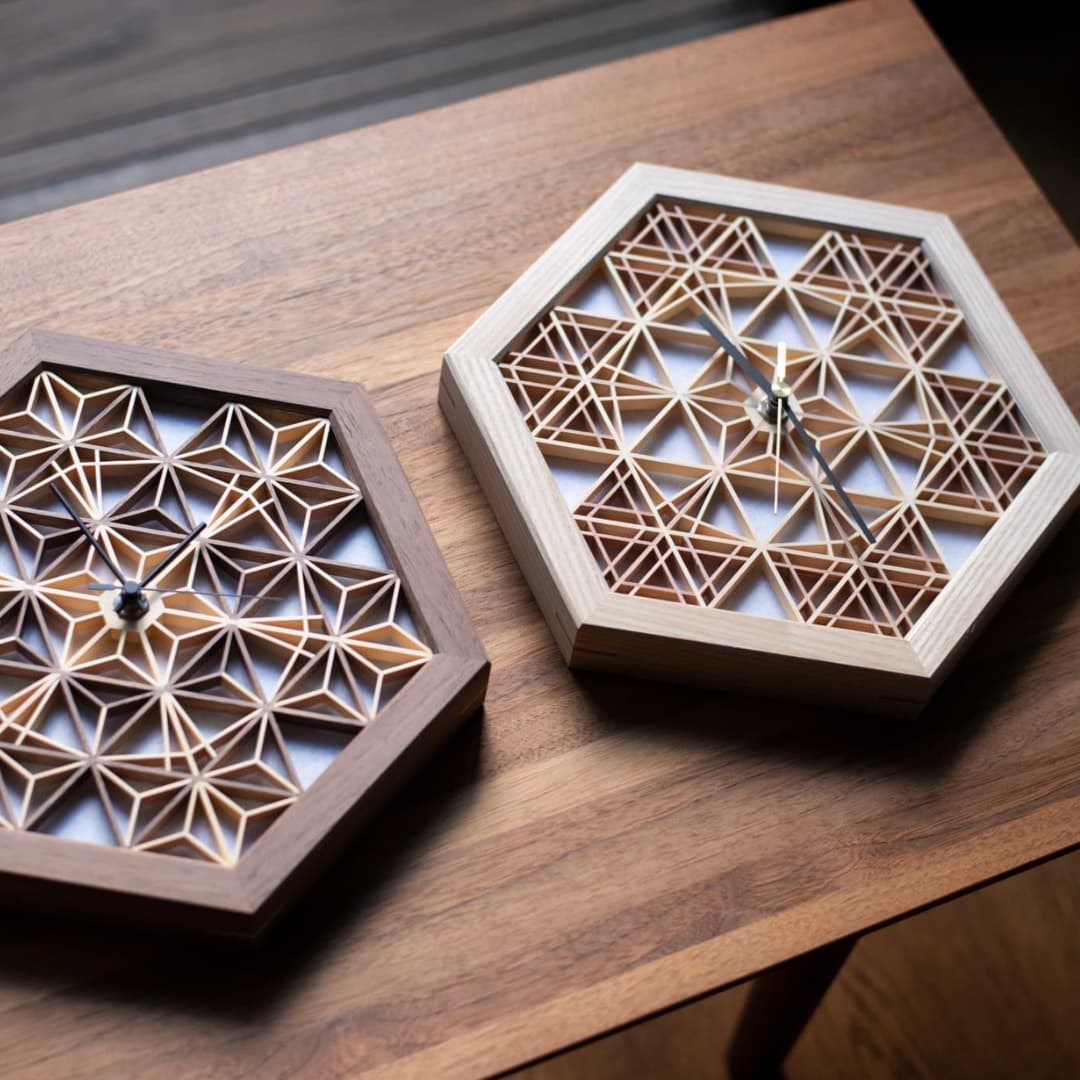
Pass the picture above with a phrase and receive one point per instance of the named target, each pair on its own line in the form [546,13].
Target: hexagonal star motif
[298,635]
[763,438]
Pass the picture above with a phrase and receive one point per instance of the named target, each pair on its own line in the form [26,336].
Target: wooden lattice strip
[830,267]
[896,269]
[1002,449]
[877,314]
[292,457]
[920,328]
[35,782]
[712,562]
[863,329]
[740,251]
[959,482]
[646,282]
[999,432]
[549,380]
[857,604]
[961,399]
[674,233]
[810,578]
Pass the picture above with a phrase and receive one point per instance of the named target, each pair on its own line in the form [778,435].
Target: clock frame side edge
[19,359]
[515,479]
[75,880]
[401,527]
[142,364]
[786,201]
[448,689]
[997,564]
[522,495]
[746,654]
[303,844]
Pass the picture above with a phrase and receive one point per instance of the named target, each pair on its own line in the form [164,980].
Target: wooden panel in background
[94,85]
[592,851]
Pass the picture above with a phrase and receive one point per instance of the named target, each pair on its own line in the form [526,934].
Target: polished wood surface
[983,986]
[571,862]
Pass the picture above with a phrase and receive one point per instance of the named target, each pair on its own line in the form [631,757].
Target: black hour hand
[172,556]
[105,556]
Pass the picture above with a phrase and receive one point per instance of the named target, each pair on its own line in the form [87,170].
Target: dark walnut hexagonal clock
[763,438]
[226,633]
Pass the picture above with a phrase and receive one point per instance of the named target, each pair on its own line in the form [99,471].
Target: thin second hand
[776,475]
[778,381]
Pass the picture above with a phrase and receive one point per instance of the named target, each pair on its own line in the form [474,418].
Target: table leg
[778,1008]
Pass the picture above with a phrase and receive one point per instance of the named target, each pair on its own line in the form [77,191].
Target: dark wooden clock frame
[90,880]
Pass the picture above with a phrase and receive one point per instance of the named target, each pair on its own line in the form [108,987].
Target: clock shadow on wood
[792,733]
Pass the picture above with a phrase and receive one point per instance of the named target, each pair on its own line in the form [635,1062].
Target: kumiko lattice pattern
[681,487]
[274,640]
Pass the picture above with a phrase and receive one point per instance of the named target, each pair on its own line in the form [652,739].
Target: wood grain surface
[983,986]
[591,850]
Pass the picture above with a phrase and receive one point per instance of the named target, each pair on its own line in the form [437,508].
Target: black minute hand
[172,556]
[733,351]
[808,439]
[105,557]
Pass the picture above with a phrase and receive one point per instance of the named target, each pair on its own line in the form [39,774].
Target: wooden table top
[588,851]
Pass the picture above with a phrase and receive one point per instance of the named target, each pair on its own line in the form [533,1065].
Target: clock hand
[808,439]
[172,556]
[780,374]
[97,586]
[775,408]
[733,351]
[105,557]
[780,391]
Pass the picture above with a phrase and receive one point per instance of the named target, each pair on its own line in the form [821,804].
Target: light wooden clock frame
[560,393]
[196,768]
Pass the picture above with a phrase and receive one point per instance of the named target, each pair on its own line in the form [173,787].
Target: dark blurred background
[101,95]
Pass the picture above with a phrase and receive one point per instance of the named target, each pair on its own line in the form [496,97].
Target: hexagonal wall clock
[226,633]
[761,438]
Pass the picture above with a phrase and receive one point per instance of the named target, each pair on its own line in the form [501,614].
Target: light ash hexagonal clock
[763,438]
[226,633]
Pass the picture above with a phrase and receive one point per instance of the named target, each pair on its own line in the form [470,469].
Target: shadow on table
[1005,655]
[215,978]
